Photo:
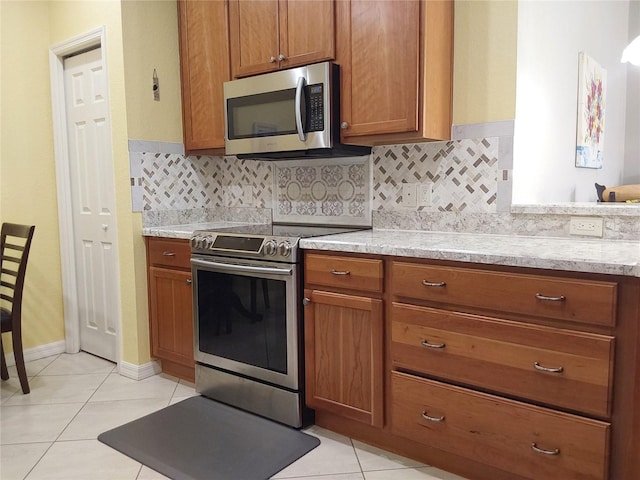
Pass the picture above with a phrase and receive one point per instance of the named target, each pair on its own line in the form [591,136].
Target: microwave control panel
[316,108]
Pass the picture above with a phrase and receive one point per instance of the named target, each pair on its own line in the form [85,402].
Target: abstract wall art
[592,79]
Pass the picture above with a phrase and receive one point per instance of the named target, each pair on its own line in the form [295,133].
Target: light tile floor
[52,432]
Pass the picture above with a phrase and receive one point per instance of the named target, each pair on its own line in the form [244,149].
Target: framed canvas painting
[592,79]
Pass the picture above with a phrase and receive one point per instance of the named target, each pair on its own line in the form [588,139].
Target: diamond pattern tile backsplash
[464,177]
[463,174]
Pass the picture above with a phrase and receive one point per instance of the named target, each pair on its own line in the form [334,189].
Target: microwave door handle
[299,91]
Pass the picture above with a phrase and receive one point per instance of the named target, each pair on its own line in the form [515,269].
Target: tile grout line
[71,420]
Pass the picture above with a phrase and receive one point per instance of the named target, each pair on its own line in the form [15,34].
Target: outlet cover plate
[425,194]
[247,195]
[587,226]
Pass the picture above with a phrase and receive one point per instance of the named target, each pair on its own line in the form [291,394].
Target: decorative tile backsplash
[323,191]
[463,174]
[465,177]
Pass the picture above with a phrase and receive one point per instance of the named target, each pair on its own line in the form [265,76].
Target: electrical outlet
[589,226]
[247,195]
[425,194]
[409,193]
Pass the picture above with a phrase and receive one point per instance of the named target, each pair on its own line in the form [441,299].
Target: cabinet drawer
[170,252]
[584,301]
[508,357]
[532,442]
[344,272]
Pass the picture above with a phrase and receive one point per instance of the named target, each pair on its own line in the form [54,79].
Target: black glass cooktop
[286,230]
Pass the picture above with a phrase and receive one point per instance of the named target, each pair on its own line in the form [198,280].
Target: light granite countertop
[184,231]
[572,254]
[576,254]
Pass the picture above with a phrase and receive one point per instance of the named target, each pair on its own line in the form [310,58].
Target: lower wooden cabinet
[529,441]
[490,372]
[344,355]
[171,306]
[556,367]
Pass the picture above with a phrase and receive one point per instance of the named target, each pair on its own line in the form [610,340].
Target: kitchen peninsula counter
[576,254]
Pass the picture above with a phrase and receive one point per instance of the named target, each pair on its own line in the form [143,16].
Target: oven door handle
[230,267]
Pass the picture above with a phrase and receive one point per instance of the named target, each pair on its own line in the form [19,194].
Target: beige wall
[28,165]
[27,169]
[484,79]
[150,33]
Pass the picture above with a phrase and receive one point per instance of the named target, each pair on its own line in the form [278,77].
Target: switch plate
[247,195]
[425,194]
[589,226]
[409,194]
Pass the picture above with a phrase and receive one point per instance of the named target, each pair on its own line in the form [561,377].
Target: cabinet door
[253,27]
[171,307]
[204,66]
[344,355]
[377,49]
[307,32]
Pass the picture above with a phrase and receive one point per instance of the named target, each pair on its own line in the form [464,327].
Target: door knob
[105,227]
[344,125]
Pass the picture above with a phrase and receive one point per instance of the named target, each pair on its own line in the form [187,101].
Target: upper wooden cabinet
[268,35]
[396,62]
[204,66]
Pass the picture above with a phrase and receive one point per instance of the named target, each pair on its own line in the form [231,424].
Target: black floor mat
[201,439]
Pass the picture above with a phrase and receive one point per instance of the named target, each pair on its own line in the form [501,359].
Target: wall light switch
[409,194]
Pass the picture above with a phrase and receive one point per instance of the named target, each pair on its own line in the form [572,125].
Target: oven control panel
[281,249]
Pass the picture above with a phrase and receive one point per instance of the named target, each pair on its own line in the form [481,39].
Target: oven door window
[243,319]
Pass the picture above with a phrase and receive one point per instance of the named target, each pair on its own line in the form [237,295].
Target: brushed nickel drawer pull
[430,418]
[425,343]
[169,254]
[188,281]
[537,366]
[306,301]
[434,284]
[338,272]
[561,298]
[535,448]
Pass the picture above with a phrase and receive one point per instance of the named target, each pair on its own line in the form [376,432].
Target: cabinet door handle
[188,281]
[272,59]
[537,366]
[434,284]
[430,418]
[282,58]
[306,301]
[169,254]
[535,448]
[339,272]
[561,298]
[344,125]
[426,343]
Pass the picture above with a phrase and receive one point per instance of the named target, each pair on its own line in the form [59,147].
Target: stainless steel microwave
[292,113]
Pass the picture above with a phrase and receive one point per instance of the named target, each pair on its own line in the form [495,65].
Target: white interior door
[93,202]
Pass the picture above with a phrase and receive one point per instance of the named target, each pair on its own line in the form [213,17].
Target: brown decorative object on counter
[623,193]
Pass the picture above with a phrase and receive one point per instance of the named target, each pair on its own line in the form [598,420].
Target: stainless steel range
[247,297]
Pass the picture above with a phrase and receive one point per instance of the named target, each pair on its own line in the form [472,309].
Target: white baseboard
[36,353]
[139,372]
[126,369]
